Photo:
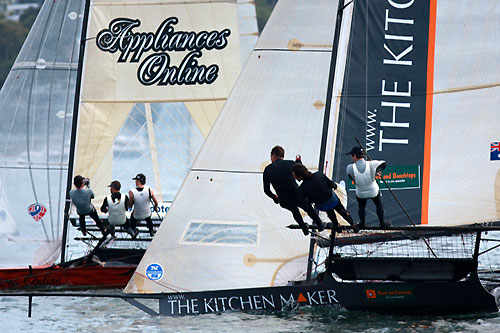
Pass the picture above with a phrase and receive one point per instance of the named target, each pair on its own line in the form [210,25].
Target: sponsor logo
[154,272]
[389,294]
[180,304]
[397,177]
[371,293]
[37,211]
[156,68]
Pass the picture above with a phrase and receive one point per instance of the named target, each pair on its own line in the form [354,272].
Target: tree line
[12,36]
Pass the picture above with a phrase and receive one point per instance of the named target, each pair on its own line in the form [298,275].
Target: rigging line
[49,109]
[69,91]
[175,130]
[326,116]
[397,200]
[135,134]
[435,92]
[74,125]
[179,113]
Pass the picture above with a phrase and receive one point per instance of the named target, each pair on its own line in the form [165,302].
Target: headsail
[37,102]
[222,232]
[422,92]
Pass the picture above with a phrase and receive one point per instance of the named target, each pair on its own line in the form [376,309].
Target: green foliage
[28,17]
[11,39]
[5,67]
[264,9]
[12,36]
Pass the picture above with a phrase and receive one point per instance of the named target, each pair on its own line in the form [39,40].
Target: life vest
[366,186]
[142,205]
[116,210]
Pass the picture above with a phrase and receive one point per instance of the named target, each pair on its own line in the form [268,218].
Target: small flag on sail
[495,151]
[37,211]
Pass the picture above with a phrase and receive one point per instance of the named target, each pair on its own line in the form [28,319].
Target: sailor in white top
[141,197]
[116,204]
[363,174]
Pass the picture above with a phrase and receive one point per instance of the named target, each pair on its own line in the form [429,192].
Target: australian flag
[495,151]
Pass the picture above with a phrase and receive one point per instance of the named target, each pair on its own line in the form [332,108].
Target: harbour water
[72,314]
[90,314]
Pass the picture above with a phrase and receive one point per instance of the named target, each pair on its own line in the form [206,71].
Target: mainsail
[222,232]
[421,91]
[121,128]
[36,102]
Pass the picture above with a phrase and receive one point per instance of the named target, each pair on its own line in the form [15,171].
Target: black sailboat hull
[414,297]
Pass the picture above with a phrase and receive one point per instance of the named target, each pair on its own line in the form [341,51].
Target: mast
[76,107]
[329,92]
[328,107]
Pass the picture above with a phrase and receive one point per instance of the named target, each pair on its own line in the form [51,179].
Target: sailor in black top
[317,188]
[279,174]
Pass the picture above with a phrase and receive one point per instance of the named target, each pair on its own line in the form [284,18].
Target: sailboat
[417,83]
[107,91]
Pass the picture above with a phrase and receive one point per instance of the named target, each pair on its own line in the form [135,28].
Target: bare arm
[130,199]
[153,196]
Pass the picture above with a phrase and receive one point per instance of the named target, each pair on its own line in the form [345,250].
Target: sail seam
[222,99]
[288,50]
[156,3]
[50,65]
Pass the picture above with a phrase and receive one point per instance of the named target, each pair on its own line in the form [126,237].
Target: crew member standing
[279,174]
[140,197]
[116,204]
[81,197]
[363,174]
[317,188]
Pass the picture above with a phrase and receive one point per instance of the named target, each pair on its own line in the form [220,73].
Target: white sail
[463,183]
[420,91]
[222,232]
[36,102]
